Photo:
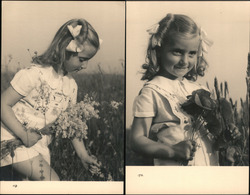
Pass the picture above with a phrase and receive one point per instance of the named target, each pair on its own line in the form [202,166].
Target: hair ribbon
[73,45]
[152,31]
[204,42]
[156,41]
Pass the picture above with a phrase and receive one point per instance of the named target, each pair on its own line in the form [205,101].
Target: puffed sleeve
[145,104]
[25,81]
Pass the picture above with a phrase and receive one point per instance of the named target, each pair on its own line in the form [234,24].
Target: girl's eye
[192,54]
[82,59]
[177,53]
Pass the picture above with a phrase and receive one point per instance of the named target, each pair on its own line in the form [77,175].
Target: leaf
[197,100]
[226,110]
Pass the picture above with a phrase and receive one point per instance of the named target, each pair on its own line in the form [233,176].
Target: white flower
[115,104]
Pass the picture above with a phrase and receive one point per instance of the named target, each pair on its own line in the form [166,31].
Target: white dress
[160,99]
[46,95]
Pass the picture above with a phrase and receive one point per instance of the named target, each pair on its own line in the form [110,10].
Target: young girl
[174,60]
[39,93]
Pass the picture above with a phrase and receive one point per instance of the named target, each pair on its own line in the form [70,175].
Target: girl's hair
[56,54]
[177,25]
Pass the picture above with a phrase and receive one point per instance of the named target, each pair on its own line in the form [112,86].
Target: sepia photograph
[125,97]
[62,96]
[187,94]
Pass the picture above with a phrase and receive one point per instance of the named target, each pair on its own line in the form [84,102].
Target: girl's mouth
[78,69]
[181,67]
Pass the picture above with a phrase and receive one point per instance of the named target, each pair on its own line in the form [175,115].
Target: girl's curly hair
[178,25]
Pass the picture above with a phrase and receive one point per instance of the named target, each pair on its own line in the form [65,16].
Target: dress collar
[55,80]
[175,86]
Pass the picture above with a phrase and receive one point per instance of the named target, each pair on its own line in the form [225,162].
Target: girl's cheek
[175,59]
[171,58]
[193,60]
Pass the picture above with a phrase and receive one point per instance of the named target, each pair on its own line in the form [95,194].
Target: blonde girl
[175,58]
[39,93]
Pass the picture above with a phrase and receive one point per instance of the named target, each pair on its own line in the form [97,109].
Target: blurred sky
[33,24]
[227,24]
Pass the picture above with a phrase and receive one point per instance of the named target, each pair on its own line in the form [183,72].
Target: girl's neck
[62,71]
[169,76]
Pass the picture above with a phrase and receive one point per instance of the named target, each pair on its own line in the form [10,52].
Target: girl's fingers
[98,163]
[95,163]
[94,160]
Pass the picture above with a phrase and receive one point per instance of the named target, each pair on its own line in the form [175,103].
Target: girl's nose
[184,59]
[84,64]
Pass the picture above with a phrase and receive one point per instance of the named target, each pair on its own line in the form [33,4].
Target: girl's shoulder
[30,73]
[193,85]
[50,76]
[162,83]
[35,70]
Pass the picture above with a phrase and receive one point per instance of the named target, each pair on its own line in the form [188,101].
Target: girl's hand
[30,138]
[185,150]
[90,161]
[234,131]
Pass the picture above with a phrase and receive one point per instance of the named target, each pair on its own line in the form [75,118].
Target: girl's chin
[181,72]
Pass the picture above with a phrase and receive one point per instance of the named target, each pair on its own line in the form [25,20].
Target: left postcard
[62,97]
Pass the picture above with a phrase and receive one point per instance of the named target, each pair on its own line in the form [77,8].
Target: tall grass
[240,117]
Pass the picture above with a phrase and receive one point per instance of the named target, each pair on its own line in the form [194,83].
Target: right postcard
[187,97]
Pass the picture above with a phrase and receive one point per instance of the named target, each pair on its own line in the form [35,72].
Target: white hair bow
[73,46]
[152,31]
[204,42]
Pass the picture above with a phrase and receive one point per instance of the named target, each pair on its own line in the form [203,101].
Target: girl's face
[76,63]
[178,57]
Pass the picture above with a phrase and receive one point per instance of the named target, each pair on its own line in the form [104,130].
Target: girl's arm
[141,143]
[83,154]
[8,99]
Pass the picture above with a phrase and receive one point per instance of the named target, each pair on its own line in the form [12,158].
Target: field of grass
[105,135]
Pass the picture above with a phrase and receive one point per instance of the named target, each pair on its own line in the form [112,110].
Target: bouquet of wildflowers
[71,123]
